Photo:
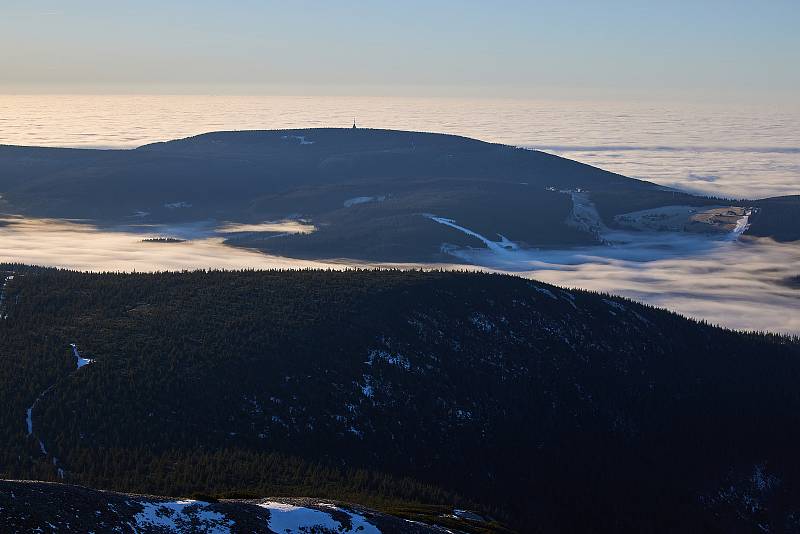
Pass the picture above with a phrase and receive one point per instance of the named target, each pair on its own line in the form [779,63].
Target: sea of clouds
[743,151]
[729,151]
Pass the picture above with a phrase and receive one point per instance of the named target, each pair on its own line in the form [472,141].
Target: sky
[504,48]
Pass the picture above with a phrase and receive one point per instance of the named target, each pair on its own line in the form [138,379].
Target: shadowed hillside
[371,194]
[549,409]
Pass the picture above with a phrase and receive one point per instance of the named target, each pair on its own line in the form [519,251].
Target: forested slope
[549,409]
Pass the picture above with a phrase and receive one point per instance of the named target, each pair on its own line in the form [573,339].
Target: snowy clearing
[730,220]
[584,215]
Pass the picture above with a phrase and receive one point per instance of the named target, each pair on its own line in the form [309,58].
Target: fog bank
[737,284]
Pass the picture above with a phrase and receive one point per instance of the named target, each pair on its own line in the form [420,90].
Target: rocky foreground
[31,506]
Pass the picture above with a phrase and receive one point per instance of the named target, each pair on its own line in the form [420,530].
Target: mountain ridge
[366,191]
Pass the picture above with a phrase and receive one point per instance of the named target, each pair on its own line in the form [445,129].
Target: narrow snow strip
[79,360]
[546,292]
[29,418]
[178,205]
[466,514]
[3,314]
[363,200]
[181,516]
[569,297]
[492,245]
[290,519]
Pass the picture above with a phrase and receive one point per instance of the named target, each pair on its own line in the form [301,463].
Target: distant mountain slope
[371,194]
[555,410]
[777,217]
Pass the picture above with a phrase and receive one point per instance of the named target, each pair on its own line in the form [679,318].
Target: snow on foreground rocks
[181,516]
[189,515]
[291,519]
[32,506]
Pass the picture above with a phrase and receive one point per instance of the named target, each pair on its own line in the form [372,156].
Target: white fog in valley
[83,247]
[748,284]
[738,284]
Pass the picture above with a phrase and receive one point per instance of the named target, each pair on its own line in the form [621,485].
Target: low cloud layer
[709,178]
[86,248]
[737,284]
[753,150]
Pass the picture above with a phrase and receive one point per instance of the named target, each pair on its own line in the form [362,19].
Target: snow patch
[482,322]
[291,519]
[367,390]
[584,215]
[396,359]
[177,205]
[179,516]
[741,225]
[463,415]
[285,226]
[80,361]
[363,200]
[301,138]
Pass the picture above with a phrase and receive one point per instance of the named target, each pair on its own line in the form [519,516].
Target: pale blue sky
[706,49]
